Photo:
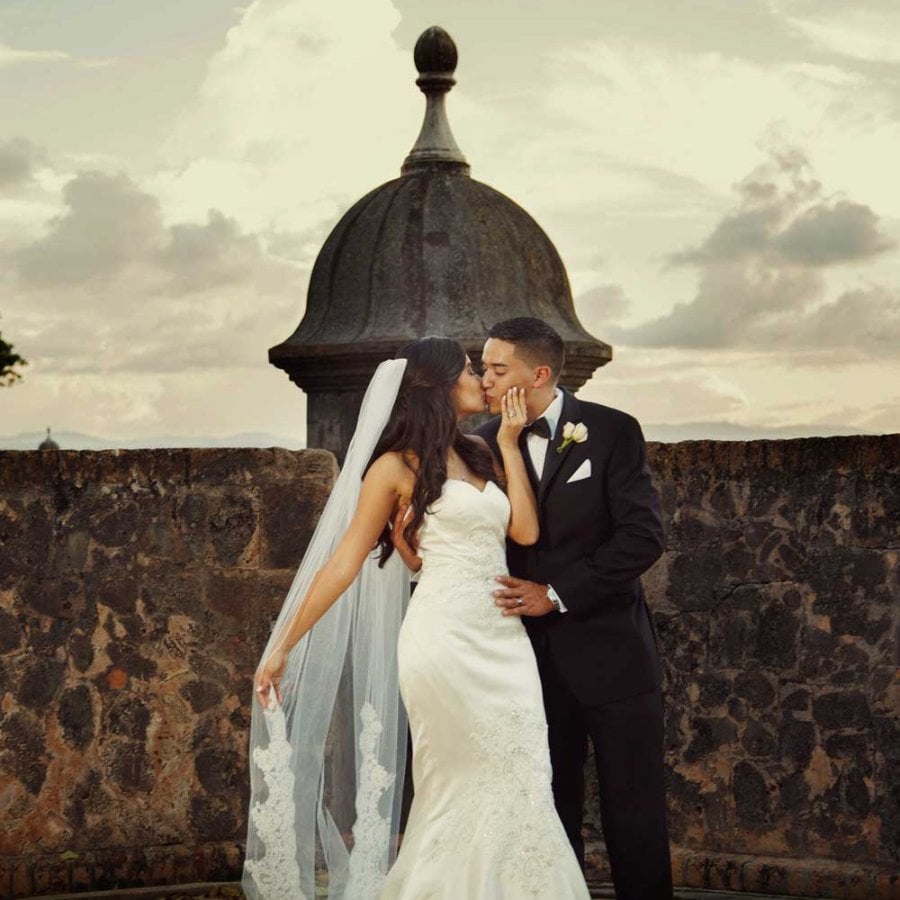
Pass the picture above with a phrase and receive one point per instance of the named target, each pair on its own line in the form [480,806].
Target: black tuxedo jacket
[598,535]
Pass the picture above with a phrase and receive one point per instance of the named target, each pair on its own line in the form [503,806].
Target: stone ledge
[121,871]
[853,453]
[208,890]
[223,889]
[783,877]
[152,873]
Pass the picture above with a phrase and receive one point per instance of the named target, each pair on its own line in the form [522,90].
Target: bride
[482,825]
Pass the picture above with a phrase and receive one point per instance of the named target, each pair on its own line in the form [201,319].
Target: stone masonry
[137,590]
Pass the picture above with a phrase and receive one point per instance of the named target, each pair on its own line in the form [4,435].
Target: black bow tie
[540,427]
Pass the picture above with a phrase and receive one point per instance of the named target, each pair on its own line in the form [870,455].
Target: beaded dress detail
[482,824]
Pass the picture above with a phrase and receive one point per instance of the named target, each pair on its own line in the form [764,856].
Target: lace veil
[332,757]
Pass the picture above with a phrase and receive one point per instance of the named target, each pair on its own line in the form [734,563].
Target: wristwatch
[554,598]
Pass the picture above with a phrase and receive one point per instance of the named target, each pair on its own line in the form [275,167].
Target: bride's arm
[524,527]
[376,502]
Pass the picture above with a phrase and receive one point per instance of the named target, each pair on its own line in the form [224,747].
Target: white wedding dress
[482,824]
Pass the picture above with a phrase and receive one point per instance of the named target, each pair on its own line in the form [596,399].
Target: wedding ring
[520,602]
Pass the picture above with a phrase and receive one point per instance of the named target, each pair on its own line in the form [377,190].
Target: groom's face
[503,370]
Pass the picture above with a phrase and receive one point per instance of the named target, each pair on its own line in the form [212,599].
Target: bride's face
[467,394]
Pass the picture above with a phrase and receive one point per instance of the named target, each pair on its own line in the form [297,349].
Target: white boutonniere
[573,433]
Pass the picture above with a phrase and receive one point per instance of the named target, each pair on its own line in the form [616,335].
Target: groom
[579,593]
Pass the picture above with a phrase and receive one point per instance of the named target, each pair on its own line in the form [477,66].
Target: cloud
[849,30]
[761,283]
[108,222]
[841,232]
[19,159]
[865,322]
[200,256]
[784,219]
[12,56]
[307,107]
[110,287]
[111,228]
[664,398]
[603,303]
[731,299]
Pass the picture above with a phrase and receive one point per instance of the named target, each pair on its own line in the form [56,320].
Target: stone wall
[776,603]
[136,593]
[137,588]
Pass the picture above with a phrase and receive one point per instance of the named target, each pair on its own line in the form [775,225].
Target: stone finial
[435,58]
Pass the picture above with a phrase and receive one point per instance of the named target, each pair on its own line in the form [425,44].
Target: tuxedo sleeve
[606,574]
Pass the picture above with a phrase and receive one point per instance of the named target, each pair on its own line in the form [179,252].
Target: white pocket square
[582,472]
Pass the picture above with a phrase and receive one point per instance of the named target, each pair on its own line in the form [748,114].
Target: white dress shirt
[537,450]
[537,445]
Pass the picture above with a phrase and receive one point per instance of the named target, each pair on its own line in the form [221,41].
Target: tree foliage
[10,361]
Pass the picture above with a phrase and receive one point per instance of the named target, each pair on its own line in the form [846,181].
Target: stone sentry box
[431,252]
[137,590]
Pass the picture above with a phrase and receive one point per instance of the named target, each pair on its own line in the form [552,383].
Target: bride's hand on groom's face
[519,597]
[513,416]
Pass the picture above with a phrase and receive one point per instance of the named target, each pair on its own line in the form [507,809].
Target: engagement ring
[520,602]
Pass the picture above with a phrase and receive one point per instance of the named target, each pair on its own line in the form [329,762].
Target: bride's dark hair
[423,428]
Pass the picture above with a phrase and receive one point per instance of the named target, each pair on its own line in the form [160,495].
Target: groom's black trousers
[627,737]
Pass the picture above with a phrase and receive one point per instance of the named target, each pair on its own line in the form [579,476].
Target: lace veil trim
[327,767]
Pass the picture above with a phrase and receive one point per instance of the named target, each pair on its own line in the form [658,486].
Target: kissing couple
[527,636]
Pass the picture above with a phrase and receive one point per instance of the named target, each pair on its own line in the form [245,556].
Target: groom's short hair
[536,342]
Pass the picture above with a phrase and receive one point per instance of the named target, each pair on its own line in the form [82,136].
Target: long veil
[332,757]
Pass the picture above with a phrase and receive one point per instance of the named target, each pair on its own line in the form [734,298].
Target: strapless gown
[482,824]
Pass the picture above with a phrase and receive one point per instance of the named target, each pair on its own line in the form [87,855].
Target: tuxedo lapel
[554,460]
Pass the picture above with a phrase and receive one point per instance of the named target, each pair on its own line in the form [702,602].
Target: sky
[720,179]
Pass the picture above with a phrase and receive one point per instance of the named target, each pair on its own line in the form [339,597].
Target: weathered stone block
[754,687]
[26,525]
[128,766]
[41,682]
[76,716]
[126,715]
[218,770]
[710,735]
[758,740]
[10,633]
[213,819]
[751,795]
[22,741]
[233,529]
[842,709]
[796,740]
[54,597]
[202,694]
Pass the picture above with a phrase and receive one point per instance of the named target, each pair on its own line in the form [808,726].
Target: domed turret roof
[48,443]
[431,252]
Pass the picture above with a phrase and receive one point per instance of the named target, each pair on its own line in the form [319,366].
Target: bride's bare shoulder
[394,467]
[483,444]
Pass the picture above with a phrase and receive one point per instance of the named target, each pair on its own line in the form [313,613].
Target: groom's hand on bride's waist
[518,597]
[408,551]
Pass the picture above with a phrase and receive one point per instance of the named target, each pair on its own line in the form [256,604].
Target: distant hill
[75,440]
[668,434]
[729,431]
